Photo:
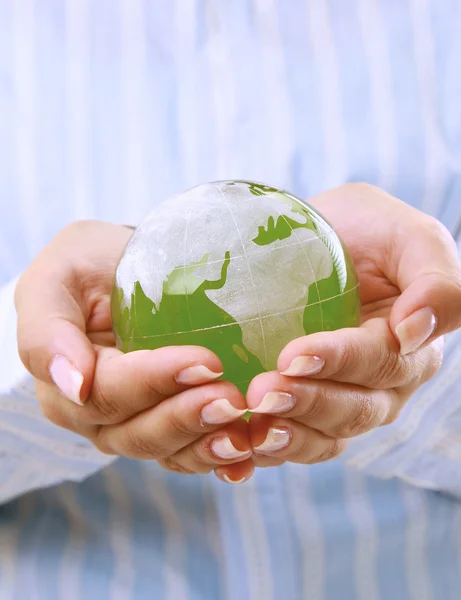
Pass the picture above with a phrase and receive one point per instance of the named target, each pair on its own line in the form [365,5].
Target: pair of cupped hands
[169,404]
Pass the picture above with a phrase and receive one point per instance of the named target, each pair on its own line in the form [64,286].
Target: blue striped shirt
[106,108]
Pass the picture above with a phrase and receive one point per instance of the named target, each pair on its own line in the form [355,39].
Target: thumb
[429,277]
[52,342]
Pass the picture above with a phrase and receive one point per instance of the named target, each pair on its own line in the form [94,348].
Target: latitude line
[283,312]
[211,262]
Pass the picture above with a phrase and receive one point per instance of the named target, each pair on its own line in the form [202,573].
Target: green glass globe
[238,267]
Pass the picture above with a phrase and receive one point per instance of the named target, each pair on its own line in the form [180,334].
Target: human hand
[163,404]
[331,386]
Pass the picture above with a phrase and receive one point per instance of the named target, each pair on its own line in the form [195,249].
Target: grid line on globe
[296,308]
[184,265]
[210,262]
[293,231]
[217,267]
[263,335]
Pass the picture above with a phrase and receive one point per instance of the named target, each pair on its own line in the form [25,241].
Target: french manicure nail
[303,366]
[413,331]
[227,479]
[196,374]
[276,439]
[66,378]
[220,411]
[275,402]
[224,448]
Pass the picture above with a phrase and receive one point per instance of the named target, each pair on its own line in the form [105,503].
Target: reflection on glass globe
[238,267]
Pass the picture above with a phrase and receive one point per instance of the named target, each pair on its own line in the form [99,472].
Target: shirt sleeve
[34,453]
[423,446]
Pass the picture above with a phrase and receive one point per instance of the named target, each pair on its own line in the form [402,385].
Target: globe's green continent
[185,314]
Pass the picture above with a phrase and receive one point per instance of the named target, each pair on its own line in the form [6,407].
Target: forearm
[34,453]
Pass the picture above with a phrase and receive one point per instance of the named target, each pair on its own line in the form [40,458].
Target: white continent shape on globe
[267,286]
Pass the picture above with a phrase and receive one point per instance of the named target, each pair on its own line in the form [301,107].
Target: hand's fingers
[227,446]
[57,298]
[368,355]
[52,342]
[425,262]
[414,252]
[176,422]
[288,440]
[338,410]
[237,472]
[234,473]
[126,384]
[263,461]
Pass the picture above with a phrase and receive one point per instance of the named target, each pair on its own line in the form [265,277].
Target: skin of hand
[163,405]
[331,386]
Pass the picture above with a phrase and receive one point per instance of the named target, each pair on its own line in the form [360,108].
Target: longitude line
[184,267]
[309,262]
[249,271]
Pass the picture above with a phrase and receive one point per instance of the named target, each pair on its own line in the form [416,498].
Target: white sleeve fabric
[34,453]
[423,447]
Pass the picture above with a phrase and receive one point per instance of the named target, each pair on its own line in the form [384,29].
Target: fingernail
[303,366]
[413,331]
[66,377]
[196,374]
[276,439]
[275,402]
[220,411]
[227,479]
[224,448]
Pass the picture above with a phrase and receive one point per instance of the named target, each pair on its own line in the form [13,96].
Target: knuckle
[303,449]
[397,399]
[138,446]
[262,462]
[392,416]
[179,426]
[202,454]
[333,450]
[169,464]
[99,440]
[105,410]
[316,404]
[437,230]
[346,358]
[104,448]
[363,417]
[388,369]
[435,359]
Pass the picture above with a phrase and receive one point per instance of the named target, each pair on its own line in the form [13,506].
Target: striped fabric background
[109,106]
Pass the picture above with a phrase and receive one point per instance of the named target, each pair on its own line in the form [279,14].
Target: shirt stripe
[109,107]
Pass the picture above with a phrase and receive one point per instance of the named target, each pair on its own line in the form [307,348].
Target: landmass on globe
[239,267]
